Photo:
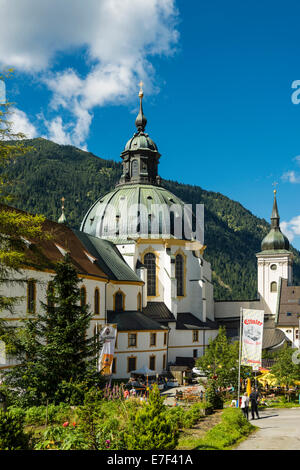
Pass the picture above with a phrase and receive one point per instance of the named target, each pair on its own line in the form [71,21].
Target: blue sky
[218,87]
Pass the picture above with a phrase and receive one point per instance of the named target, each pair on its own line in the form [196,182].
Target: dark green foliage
[151,429]
[12,435]
[232,234]
[56,360]
[212,396]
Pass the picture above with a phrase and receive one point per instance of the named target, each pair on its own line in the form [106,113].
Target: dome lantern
[140,156]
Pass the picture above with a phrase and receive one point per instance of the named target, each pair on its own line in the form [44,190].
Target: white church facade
[138,274]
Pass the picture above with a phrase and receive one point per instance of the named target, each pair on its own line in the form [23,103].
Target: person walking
[254,399]
[245,405]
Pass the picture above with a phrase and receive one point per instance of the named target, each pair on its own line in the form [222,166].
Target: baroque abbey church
[139,273]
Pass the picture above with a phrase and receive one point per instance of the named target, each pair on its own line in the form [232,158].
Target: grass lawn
[220,431]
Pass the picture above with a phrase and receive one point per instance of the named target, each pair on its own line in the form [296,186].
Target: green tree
[221,361]
[285,369]
[151,428]
[53,352]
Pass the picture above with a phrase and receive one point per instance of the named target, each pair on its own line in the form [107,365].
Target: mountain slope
[232,233]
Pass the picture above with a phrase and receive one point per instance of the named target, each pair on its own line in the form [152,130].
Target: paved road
[279,430]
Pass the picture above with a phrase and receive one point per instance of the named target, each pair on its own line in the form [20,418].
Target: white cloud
[291,228]
[21,123]
[297,159]
[291,177]
[119,38]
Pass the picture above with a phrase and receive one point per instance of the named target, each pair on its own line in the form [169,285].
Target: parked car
[198,372]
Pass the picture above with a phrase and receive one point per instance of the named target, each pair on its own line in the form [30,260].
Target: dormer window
[61,249]
[90,257]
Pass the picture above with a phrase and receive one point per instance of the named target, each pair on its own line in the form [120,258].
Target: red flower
[66,423]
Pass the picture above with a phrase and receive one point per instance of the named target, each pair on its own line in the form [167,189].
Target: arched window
[273,286]
[179,274]
[119,302]
[31,296]
[139,302]
[150,263]
[83,296]
[96,302]
[50,294]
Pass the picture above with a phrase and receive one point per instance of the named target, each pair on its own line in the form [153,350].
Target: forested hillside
[232,234]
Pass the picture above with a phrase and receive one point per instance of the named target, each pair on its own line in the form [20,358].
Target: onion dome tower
[275,240]
[274,263]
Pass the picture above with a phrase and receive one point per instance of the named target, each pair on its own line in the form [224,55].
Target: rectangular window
[152,363]
[165,338]
[164,361]
[297,334]
[195,335]
[152,339]
[114,365]
[31,296]
[132,339]
[131,364]
[195,353]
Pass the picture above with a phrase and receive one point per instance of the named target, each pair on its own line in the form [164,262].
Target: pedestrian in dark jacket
[254,399]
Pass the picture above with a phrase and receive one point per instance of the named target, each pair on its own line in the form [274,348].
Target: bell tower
[273,262]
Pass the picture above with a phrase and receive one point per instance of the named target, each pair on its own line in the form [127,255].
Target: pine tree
[151,429]
[52,349]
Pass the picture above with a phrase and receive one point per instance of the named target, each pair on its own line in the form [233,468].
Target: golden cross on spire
[141,93]
[275,184]
[63,202]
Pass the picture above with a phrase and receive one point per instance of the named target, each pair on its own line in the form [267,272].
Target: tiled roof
[188,321]
[158,311]
[289,305]
[45,253]
[108,257]
[133,321]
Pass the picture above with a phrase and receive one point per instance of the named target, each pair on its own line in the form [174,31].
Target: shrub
[62,438]
[150,428]
[12,435]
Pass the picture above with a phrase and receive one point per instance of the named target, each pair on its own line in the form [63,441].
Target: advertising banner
[108,335]
[252,337]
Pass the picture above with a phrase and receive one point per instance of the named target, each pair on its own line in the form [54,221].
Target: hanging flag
[108,335]
[253,325]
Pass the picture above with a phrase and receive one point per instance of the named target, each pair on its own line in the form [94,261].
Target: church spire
[141,120]
[62,219]
[275,240]
[275,215]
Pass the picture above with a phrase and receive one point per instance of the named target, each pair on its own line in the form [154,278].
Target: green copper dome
[139,207]
[134,211]
[140,141]
[275,240]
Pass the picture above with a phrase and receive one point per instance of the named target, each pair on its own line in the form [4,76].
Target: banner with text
[252,337]
[108,335]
